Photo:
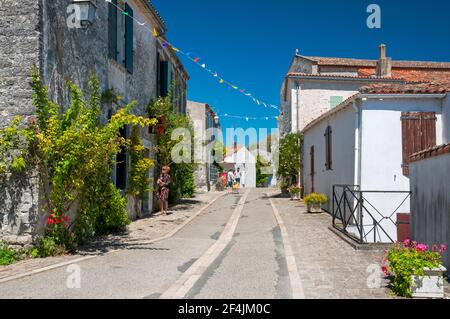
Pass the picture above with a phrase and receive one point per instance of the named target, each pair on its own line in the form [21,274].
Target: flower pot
[315,208]
[429,286]
[295,196]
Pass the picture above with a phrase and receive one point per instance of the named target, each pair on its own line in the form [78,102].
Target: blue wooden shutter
[129,23]
[112,30]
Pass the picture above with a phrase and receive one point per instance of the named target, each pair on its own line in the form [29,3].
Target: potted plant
[415,270]
[315,201]
[295,192]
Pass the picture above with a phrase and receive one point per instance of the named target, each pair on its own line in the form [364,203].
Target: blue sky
[251,42]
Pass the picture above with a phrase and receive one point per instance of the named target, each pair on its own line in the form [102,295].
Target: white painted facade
[246,162]
[367,151]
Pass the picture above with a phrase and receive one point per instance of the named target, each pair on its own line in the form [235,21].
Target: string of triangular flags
[249,118]
[196,60]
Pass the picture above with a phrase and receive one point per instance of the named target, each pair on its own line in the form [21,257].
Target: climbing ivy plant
[74,155]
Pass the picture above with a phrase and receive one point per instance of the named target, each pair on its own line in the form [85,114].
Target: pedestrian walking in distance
[163,189]
[230,178]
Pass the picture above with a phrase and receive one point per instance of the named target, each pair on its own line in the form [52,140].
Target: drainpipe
[357,173]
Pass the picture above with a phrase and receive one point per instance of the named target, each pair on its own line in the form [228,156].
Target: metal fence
[363,219]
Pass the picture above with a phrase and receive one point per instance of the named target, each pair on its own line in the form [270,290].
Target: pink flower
[414,244]
[422,248]
[435,248]
[385,270]
[407,243]
[443,248]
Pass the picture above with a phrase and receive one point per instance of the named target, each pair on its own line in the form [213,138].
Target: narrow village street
[253,245]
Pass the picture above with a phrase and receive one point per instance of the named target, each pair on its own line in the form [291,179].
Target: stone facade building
[129,59]
[206,128]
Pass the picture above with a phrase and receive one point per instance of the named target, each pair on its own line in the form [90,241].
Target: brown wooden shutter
[418,134]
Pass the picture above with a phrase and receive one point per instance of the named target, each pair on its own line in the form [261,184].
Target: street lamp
[87,11]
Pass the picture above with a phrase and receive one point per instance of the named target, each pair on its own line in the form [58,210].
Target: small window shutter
[112,30]
[418,134]
[129,34]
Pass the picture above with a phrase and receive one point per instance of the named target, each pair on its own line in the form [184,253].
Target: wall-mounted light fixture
[87,11]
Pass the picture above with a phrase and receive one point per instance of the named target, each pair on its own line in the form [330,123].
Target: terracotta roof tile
[363,77]
[407,88]
[373,63]
[431,152]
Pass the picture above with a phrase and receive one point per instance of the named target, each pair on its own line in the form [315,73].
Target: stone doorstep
[357,246]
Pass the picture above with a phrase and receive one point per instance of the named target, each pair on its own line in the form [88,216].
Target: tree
[261,179]
[290,150]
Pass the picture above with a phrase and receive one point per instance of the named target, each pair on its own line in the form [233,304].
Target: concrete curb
[82,259]
[184,284]
[294,276]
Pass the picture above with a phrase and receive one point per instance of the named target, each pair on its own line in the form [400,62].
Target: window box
[429,286]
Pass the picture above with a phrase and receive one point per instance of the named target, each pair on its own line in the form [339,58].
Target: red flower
[58,221]
[66,218]
[385,270]
[50,221]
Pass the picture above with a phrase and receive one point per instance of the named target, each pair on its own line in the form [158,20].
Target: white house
[314,85]
[365,143]
[243,159]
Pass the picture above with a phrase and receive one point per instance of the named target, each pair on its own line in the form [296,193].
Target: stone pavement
[329,268]
[142,230]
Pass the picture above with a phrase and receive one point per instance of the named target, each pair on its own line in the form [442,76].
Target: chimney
[384,64]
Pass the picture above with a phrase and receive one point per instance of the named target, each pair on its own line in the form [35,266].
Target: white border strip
[296,283]
[189,278]
[78,260]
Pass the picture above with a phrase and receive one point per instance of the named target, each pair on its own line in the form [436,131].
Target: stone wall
[19,50]
[36,32]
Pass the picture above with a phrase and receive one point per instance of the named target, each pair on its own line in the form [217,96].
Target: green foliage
[405,262]
[74,156]
[15,141]
[290,150]
[183,183]
[261,179]
[7,255]
[314,198]
[140,183]
[294,190]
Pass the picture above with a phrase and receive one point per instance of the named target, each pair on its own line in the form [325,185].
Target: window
[163,78]
[121,35]
[129,39]
[335,101]
[418,134]
[328,148]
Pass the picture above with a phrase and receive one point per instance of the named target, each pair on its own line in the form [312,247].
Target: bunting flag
[248,118]
[165,44]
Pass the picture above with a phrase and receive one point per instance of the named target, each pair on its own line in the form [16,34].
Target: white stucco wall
[430,202]
[343,153]
[382,155]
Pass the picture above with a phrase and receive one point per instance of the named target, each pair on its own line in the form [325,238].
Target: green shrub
[315,198]
[7,255]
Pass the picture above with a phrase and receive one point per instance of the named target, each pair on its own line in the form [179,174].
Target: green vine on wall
[75,155]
